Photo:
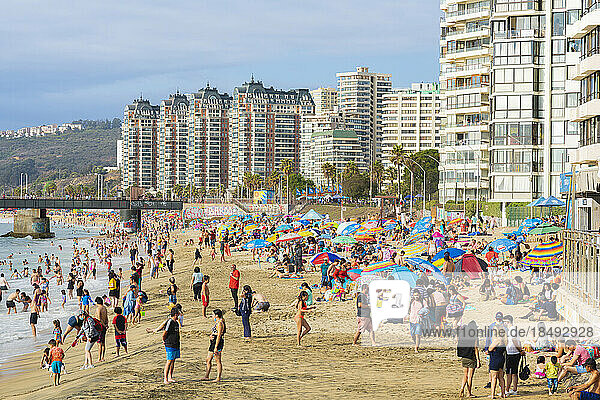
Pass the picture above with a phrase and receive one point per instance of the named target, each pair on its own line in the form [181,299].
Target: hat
[499,315]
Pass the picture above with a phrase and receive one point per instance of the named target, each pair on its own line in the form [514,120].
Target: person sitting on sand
[590,390]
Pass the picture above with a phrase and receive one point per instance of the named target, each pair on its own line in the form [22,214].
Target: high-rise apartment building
[336,147]
[530,94]
[173,142]
[265,129]
[360,100]
[139,132]
[209,139]
[313,123]
[325,99]
[586,74]
[465,83]
[411,119]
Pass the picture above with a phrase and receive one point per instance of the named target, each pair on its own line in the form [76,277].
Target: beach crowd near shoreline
[203,287]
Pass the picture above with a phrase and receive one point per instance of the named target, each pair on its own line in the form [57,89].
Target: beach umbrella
[404,274]
[414,238]
[370,224]
[347,228]
[312,215]
[329,224]
[531,222]
[256,244]
[284,227]
[455,221]
[379,267]
[426,266]
[288,237]
[324,257]
[343,239]
[537,202]
[250,228]
[543,230]
[308,233]
[325,236]
[272,238]
[365,238]
[502,245]
[414,249]
[544,254]
[552,202]
[437,235]
[452,252]
[390,227]
[354,274]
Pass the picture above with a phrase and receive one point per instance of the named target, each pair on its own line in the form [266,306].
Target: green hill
[69,154]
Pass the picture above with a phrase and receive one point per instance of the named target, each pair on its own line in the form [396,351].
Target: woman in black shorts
[497,353]
[216,345]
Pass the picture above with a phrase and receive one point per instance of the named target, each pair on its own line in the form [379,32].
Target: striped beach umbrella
[288,237]
[414,249]
[343,239]
[256,244]
[414,238]
[379,267]
[284,227]
[324,257]
[427,267]
[544,254]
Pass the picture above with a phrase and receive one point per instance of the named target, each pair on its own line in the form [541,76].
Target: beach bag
[524,371]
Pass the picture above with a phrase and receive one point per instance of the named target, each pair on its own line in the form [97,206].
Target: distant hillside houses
[42,130]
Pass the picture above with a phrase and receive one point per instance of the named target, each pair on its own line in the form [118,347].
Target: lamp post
[476,154]
[443,169]
[424,179]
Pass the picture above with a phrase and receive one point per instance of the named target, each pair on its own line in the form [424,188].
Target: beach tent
[471,265]
[404,274]
[312,215]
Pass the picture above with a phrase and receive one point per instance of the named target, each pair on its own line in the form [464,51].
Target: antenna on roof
[252,78]
[208,84]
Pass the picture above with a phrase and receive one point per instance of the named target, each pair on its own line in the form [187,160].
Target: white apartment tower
[173,143]
[139,134]
[360,100]
[530,94]
[314,123]
[411,119]
[465,85]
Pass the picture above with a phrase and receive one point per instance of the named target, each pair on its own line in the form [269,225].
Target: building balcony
[467,90]
[586,110]
[585,155]
[480,51]
[465,127]
[474,34]
[520,34]
[585,24]
[468,109]
[585,67]
[467,14]
[464,71]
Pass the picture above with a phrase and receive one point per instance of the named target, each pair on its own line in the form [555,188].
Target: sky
[68,60]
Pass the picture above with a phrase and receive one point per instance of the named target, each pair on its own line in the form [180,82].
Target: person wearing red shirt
[234,285]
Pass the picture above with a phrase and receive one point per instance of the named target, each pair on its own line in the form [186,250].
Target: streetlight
[412,181]
[443,169]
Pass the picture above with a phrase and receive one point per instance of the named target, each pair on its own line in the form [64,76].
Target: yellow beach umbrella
[272,238]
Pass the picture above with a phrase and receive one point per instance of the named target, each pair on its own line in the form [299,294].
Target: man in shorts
[172,345]
[576,364]
[363,315]
[33,317]
[590,390]
[10,301]
[102,316]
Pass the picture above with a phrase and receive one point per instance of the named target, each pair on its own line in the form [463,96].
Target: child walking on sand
[120,324]
[57,332]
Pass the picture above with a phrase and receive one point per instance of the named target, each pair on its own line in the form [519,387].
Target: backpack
[524,370]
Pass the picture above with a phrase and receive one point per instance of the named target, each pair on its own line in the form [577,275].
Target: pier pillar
[131,220]
[32,222]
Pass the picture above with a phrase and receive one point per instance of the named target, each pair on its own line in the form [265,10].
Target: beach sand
[268,367]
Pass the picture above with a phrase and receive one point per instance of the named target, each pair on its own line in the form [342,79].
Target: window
[558,78]
[558,3]
[558,132]
[559,50]
[558,24]
[558,159]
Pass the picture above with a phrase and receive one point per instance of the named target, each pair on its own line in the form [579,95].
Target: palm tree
[273,179]
[377,174]
[351,170]
[247,181]
[398,158]
[49,188]
[328,172]
[256,181]
[287,167]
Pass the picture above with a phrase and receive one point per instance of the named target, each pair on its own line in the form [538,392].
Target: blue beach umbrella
[426,266]
[284,227]
[502,245]
[404,274]
[537,202]
[552,202]
[347,228]
[531,222]
[256,244]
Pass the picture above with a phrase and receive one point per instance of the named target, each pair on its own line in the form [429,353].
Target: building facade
[139,133]
[313,123]
[531,133]
[411,119]
[325,99]
[336,147]
[265,129]
[465,58]
[586,158]
[209,139]
[173,143]
[360,100]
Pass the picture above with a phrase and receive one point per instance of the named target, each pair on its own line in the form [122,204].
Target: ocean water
[15,332]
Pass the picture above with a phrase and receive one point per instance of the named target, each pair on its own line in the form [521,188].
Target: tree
[377,170]
[49,188]
[356,186]
[350,170]
[398,158]
[287,167]
[247,181]
[425,161]
[329,172]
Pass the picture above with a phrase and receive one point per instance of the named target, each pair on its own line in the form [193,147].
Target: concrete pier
[31,222]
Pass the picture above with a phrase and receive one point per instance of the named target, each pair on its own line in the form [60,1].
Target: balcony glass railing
[466,12]
[465,49]
[520,34]
[468,67]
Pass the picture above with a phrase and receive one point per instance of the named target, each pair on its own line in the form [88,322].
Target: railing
[521,33]
[592,7]
[472,30]
[455,51]
[581,271]
[460,68]
[467,11]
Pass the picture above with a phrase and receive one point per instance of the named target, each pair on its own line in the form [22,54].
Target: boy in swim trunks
[120,324]
[590,390]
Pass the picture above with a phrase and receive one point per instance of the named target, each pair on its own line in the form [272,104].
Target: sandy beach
[271,365]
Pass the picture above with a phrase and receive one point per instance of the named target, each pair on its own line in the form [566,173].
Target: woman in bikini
[216,345]
[301,309]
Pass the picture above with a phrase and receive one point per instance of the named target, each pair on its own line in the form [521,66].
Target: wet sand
[268,367]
